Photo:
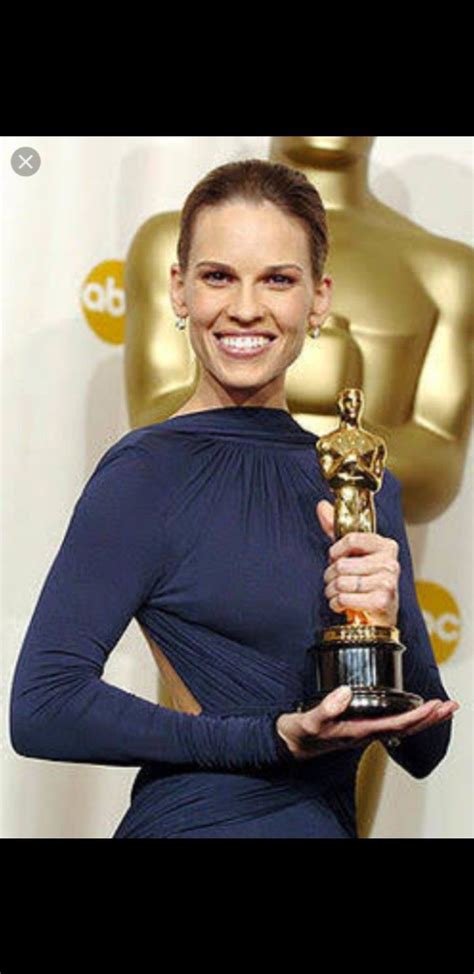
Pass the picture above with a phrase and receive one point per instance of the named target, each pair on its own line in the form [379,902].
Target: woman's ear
[176,291]
[322,300]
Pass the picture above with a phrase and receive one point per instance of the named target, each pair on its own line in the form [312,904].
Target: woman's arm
[107,565]
[419,753]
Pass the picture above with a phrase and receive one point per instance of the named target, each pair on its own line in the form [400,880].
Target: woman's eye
[283,277]
[210,274]
[218,275]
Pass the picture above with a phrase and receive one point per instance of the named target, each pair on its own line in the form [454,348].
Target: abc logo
[103,301]
[442,617]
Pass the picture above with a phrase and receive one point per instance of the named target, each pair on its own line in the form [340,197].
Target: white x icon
[26,162]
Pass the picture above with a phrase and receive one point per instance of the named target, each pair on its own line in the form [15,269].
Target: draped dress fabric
[203,529]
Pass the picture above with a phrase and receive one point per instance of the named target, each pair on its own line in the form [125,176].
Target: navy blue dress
[203,528]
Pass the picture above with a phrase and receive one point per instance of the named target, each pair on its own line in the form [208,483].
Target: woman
[214,530]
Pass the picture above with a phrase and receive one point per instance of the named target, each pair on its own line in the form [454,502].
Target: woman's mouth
[243,346]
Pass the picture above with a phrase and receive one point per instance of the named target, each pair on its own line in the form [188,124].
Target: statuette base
[372,669]
[367,634]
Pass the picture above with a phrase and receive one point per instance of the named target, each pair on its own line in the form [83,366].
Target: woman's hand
[362,575]
[363,572]
[312,732]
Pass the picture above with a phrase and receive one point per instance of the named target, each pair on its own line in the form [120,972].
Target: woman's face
[249,274]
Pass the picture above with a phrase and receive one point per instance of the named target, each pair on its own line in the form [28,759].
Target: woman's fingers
[360,727]
[411,722]
[321,728]
[367,565]
[343,584]
[365,543]
[368,583]
[443,712]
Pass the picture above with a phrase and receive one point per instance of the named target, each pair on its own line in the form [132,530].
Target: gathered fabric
[203,529]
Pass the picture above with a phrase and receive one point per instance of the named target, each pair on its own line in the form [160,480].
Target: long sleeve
[419,753]
[108,563]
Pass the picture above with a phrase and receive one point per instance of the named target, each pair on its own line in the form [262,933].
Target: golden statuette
[363,655]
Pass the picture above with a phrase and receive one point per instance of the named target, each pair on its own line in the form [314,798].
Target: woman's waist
[318,778]
[198,797]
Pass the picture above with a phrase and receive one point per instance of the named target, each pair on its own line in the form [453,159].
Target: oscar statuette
[365,656]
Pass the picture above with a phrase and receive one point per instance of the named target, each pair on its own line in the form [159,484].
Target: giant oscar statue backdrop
[398,331]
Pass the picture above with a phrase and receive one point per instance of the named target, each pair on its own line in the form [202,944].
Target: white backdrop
[63,405]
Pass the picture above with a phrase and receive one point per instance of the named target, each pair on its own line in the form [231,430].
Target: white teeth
[244,341]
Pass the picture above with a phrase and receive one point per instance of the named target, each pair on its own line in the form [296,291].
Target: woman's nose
[245,304]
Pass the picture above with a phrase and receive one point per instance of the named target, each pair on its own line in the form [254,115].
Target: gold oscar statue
[402,306]
[365,656]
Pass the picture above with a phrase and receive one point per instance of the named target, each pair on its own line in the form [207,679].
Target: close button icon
[25,161]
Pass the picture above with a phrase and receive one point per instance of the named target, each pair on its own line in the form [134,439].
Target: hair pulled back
[256,180]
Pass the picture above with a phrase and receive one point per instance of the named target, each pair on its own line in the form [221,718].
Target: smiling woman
[212,530]
[250,278]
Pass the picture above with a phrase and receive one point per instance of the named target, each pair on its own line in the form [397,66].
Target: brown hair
[256,180]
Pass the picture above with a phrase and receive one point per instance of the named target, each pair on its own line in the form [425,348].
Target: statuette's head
[350,403]
[337,149]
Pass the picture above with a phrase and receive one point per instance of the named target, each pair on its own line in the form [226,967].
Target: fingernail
[343,691]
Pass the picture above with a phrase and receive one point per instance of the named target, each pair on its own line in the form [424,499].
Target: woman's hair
[256,180]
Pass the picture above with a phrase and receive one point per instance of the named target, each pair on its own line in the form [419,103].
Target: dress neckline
[261,422]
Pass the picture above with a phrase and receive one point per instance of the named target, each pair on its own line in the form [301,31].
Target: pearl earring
[180,323]
[314,332]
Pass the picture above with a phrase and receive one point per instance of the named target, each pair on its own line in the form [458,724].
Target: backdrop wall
[63,405]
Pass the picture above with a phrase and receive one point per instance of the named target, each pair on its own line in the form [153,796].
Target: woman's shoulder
[142,459]
[145,442]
